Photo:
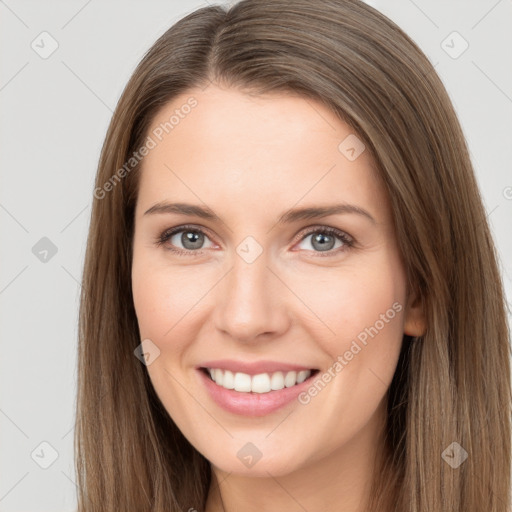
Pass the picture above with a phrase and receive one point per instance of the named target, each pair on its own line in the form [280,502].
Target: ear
[414,317]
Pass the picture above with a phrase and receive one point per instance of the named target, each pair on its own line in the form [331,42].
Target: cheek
[151,298]
[365,309]
[166,302]
[347,306]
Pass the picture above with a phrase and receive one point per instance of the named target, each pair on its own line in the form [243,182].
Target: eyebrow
[288,217]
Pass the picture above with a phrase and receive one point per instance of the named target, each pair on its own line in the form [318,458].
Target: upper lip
[253,367]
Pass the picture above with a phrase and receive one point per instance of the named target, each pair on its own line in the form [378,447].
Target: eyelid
[165,235]
[347,239]
[322,228]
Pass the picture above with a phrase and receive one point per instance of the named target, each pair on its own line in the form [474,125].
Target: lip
[253,404]
[254,367]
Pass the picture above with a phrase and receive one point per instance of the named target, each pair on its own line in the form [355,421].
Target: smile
[260,383]
[256,394]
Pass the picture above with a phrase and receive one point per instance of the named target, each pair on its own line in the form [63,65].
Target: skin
[249,159]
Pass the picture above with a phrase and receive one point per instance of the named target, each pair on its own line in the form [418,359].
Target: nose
[251,303]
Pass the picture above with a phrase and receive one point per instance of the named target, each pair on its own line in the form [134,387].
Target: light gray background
[55,113]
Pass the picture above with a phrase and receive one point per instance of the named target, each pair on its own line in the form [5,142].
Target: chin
[249,461]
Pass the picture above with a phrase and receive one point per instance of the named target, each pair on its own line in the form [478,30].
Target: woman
[291,299]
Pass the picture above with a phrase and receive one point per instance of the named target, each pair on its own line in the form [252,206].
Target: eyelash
[348,242]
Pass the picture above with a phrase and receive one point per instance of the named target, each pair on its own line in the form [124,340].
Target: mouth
[261,383]
[255,388]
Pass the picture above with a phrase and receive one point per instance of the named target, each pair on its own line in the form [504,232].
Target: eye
[191,238]
[323,240]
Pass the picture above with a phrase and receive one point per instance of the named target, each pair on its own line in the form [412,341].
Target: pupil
[321,239]
[193,238]
[325,242]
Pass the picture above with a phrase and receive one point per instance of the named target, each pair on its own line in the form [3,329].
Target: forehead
[226,145]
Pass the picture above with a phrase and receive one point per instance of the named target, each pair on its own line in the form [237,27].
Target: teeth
[228,380]
[218,376]
[302,376]
[277,381]
[290,379]
[261,383]
[242,381]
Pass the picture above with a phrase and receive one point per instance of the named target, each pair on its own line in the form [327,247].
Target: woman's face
[260,293]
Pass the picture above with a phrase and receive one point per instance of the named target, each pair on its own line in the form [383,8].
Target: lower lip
[253,404]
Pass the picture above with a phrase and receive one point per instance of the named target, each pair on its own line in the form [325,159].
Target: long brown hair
[451,386]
